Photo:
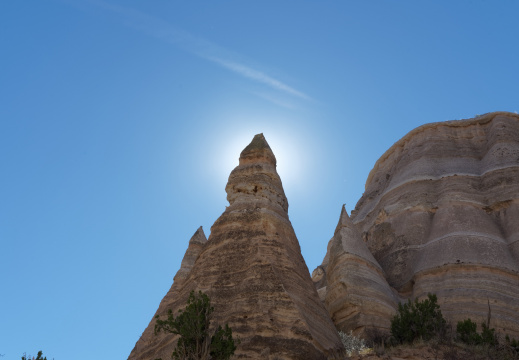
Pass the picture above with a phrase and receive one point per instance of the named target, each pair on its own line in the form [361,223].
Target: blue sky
[120,122]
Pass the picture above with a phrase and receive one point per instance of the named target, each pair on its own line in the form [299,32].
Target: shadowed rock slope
[440,214]
[153,347]
[253,271]
[355,289]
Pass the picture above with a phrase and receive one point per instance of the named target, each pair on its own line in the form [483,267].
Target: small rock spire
[344,219]
[256,178]
[258,150]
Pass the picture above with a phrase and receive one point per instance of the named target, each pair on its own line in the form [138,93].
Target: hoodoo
[252,269]
[440,214]
[355,291]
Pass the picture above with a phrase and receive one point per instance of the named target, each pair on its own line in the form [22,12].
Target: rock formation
[355,290]
[153,347]
[252,269]
[440,214]
[196,243]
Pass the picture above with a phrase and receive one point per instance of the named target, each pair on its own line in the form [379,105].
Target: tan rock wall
[440,214]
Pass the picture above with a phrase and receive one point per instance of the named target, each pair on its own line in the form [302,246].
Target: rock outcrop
[196,243]
[440,214]
[355,290]
[252,269]
[153,347]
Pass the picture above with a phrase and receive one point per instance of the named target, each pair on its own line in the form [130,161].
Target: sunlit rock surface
[440,214]
[253,271]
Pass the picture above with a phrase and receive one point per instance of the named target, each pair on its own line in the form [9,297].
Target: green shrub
[192,324]
[418,319]
[466,332]
[512,343]
[488,336]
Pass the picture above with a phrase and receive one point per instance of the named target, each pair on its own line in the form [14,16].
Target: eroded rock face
[357,294]
[440,214]
[253,271]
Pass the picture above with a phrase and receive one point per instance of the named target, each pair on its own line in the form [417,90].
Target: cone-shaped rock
[357,294]
[254,273]
[150,346]
[196,244]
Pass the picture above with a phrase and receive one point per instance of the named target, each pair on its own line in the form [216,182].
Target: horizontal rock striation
[440,214]
[254,273]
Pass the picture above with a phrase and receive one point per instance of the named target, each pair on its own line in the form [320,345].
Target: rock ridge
[440,214]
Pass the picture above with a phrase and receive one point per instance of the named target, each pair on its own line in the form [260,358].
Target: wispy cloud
[205,49]
[258,76]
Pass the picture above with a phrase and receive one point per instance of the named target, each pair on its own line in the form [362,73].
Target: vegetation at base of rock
[192,324]
[512,343]
[417,320]
[442,341]
[467,333]
[38,357]
[352,344]
[419,324]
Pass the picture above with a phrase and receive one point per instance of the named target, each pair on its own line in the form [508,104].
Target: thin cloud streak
[258,76]
[205,49]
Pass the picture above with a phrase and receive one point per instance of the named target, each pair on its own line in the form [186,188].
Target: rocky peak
[258,151]
[255,179]
[194,248]
[253,271]
[344,220]
[198,237]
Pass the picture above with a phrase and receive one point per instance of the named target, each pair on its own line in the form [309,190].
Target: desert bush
[418,320]
[512,343]
[488,335]
[466,332]
[351,343]
[38,357]
[192,324]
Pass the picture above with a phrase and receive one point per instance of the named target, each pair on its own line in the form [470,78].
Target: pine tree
[192,324]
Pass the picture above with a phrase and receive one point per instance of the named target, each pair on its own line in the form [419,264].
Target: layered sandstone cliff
[440,214]
[253,271]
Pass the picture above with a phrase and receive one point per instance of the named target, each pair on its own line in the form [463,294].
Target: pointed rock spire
[149,346]
[355,291]
[258,151]
[344,220]
[351,240]
[256,179]
[253,271]
[195,246]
